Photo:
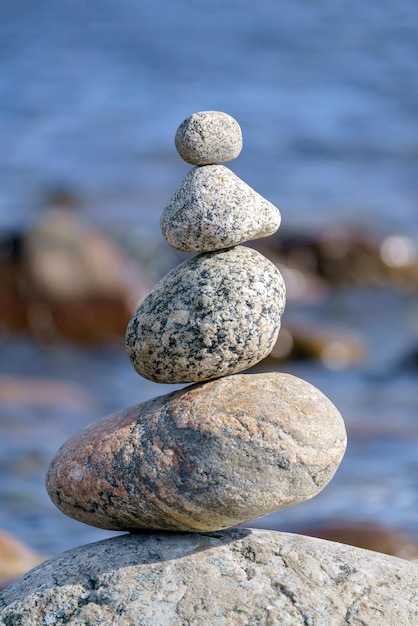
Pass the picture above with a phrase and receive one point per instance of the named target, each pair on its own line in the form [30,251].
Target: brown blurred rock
[62,280]
[345,256]
[334,349]
[68,261]
[15,558]
[370,536]
[301,285]
[207,457]
[12,305]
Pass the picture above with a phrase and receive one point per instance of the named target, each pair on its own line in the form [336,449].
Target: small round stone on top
[209,137]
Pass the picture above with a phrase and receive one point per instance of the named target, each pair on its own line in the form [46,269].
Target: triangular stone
[214,209]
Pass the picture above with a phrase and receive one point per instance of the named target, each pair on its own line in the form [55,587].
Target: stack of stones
[231,447]
[220,452]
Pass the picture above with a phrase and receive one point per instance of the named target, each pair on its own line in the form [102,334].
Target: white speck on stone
[77,473]
[178,317]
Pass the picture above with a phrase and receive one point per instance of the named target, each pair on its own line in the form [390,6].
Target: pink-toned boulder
[207,457]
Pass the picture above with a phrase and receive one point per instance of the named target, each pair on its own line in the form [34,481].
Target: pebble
[209,137]
[217,313]
[204,458]
[232,578]
[214,209]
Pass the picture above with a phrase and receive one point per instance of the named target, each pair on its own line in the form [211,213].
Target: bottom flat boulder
[234,577]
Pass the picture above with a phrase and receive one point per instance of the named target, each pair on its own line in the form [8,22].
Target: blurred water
[91,94]
[327,96]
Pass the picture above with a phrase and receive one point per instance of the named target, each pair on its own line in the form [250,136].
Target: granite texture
[215,314]
[208,137]
[232,578]
[214,209]
[207,457]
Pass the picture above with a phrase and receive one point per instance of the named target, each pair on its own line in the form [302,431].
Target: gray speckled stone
[234,578]
[215,314]
[207,457]
[214,209]
[208,137]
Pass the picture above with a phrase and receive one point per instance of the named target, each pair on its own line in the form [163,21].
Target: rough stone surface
[208,137]
[215,314]
[207,457]
[234,578]
[214,209]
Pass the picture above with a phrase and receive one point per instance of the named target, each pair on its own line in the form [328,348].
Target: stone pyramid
[230,447]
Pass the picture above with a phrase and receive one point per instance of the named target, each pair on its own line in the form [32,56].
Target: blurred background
[91,94]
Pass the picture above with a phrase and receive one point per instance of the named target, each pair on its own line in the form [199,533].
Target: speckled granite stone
[214,209]
[231,578]
[209,137]
[203,458]
[217,313]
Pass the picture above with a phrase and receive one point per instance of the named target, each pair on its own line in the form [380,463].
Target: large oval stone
[234,578]
[207,457]
[215,314]
[214,209]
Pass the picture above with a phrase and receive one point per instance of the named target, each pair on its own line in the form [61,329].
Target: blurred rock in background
[334,349]
[339,256]
[369,536]
[16,559]
[354,532]
[63,280]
